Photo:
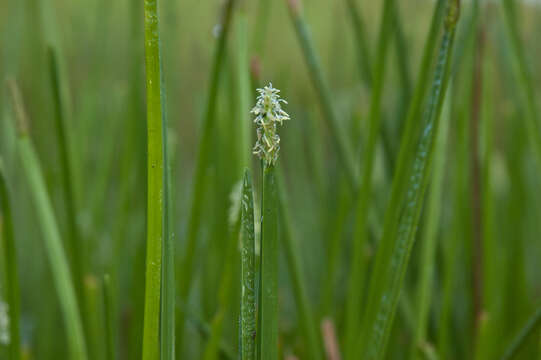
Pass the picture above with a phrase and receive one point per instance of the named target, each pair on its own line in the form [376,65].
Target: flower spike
[268,113]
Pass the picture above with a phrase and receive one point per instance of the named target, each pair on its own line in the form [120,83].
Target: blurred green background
[99,45]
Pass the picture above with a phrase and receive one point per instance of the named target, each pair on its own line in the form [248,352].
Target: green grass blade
[355,284]
[243,86]
[520,339]
[204,150]
[51,235]
[204,329]
[402,55]
[306,316]
[157,191]
[11,268]
[342,146]
[168,256]
[224,297]
[74,239]
[393,254]
[430,233]
[268,334]
[94,326]
[524,79]
[363,52]
[110,318]
[248,297]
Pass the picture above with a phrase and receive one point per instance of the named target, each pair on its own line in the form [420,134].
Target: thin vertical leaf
[51,235]
[248,297]
[316,74]
[430,232]
[157,192]
[110,317]
[185,277]
[355,284]
[393,254]
[268,324]
[524,79]
[298,279]
[74,239]
[11,268]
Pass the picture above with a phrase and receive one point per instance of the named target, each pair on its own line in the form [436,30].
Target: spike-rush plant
[268,115]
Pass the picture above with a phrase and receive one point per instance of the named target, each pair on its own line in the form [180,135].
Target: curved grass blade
[530,328]
[322,89]
[157,199]
[393,254]
[185,277]
[248,298]
[304,310]
[51,235]
[268,324]
[355,284]
[11,268]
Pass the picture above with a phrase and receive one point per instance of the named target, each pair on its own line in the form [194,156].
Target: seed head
[268,113]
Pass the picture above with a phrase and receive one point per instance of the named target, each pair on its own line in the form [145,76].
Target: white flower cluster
[4,324]
[268,114]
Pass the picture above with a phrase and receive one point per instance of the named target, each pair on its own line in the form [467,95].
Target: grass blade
[363,53]
[520,339]
[11,268]
[304,310]
[224,297]
[268,325]
[110,318]
[430,233]
[157,190]
[322,89]
[355,284]
[248,299]
[524,79]
[204,150]
[53,243]
[74,239]
[393,254]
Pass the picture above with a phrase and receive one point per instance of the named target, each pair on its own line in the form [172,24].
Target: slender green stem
[243,85]
[248,270]
[393,254]
[224,298]
[522,74]
[402,55]
[363,53]
[93,314]
[157,191]
[306,316]
[168,256]
[11,268]
[204,151]
[322,89]
[74,239]
[268,334]
[430,233]
[520,339]
[110,316]
[355,285]
[51,234]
